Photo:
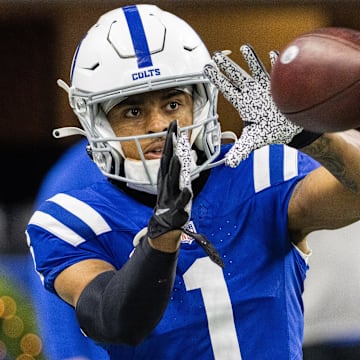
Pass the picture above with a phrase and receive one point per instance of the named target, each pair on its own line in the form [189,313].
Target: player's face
[149,113]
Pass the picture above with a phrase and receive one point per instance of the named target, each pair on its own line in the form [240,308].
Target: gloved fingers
[274,54]
[169,189]
[232,70]
[224,85]
[256,66]
[184,199]
[183,151]
[173,176]
[168,149]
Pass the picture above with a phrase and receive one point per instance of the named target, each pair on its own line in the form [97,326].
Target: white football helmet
[131,50]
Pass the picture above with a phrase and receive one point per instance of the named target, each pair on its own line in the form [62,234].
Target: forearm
[339,153]
[125,306]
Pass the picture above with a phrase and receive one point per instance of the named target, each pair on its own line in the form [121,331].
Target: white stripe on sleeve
[83,211]
[56,228]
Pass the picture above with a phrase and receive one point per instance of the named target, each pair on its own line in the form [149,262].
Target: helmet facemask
[102,76]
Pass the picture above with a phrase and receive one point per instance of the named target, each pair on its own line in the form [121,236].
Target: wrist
[168,242]
[303,139]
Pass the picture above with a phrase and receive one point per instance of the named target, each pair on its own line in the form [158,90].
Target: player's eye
[173,105]
[133,112]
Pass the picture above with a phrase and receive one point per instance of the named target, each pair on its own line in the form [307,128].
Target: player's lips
[154,150]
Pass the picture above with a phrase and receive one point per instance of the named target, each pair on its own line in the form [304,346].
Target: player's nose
[156,121]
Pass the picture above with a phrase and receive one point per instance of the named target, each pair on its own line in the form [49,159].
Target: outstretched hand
[250,95]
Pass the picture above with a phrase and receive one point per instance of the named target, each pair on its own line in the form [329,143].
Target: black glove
[174,199]
[169,213]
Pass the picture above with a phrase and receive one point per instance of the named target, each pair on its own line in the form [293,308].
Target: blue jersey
[251,310]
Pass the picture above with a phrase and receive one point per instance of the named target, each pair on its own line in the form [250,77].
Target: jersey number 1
[205,275]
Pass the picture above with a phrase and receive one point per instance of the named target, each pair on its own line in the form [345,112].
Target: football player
[188,249]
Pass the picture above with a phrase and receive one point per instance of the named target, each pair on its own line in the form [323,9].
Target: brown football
[315,82]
